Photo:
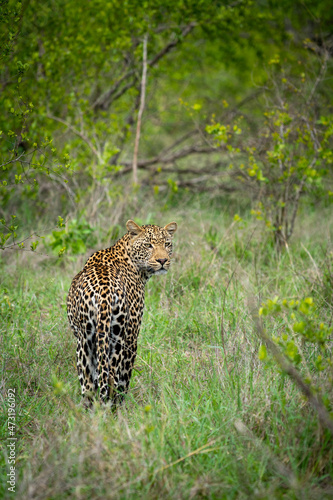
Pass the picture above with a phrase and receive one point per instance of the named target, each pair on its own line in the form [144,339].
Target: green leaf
[262,353]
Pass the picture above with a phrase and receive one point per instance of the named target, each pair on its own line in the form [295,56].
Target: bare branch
[175,156]
[210,169]
[199,184]
[141,108]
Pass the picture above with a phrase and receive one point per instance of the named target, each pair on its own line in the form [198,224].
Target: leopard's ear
[171,228]
[133,228]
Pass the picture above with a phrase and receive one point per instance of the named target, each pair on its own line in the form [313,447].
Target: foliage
[10,15]
[293,153]
[74,239]
[26,153]
[305,339]
[70,98]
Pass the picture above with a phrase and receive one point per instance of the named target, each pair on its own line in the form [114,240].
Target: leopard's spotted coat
[105,305]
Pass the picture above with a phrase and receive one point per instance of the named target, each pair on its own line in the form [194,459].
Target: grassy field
[204,417]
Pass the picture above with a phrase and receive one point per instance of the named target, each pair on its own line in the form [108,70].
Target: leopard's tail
[104,320]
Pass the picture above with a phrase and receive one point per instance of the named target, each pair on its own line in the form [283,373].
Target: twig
[14,159]
[319,77]
[195,452]
[120,93]
[141,108]
[178,141]
[293,217]
[312,260]
[16,244]
[71,194]
[277,464]
[79,134]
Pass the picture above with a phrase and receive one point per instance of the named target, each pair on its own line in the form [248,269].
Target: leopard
[105,305]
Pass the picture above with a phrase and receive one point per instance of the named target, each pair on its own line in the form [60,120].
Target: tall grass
[204,418]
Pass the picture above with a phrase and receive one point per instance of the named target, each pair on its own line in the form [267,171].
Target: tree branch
[103,99]
[106,99]
[171,45]
[199,186]
[175,156]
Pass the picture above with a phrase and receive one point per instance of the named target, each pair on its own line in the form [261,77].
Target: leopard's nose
[162,261]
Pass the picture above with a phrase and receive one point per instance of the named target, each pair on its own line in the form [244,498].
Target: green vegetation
[231,134]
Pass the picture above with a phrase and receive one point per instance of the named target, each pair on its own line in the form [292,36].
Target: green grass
[178,434]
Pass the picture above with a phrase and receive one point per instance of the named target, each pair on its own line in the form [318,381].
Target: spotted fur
[105,306]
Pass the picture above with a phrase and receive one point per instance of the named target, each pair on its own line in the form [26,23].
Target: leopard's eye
[148,245]
[168,244]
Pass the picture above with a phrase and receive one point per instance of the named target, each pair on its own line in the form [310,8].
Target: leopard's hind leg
[86,367]
[104,318]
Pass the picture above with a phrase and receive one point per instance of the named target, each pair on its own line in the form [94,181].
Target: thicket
[211,111]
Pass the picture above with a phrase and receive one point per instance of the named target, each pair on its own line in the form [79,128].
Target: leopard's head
[150,247]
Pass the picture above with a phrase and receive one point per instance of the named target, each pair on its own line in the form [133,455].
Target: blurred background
[108,108]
